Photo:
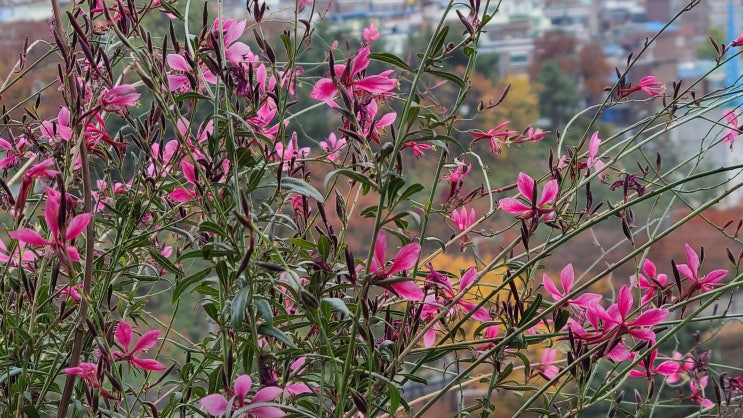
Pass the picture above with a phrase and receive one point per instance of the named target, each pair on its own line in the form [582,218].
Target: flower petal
[650,317]
[242,386]
[361,61]
[549,192]
[147,341]
[177,62]
[408,290]
[380,249]
[324,90]
[123,335]
[77,225]
[692,258]
[214,404]
[147,364]
[567,277]
[266,394]
[267,412]
[467,279]
[405,258]
[29,236]
[514,206]
[525,185]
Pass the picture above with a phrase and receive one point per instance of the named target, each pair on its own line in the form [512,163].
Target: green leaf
[352,175]
[287,43]
[394,399]
[184,284]
[338,305]
[301,187]
[323,247]
[208,226]
[411,190]
[270,331]
[448,76]
[190,96]
[165,263]
[264,309]
[391,59]
[562,320]
[238,308]
[531,311]
[438,42]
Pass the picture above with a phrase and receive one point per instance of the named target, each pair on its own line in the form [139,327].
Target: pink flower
[647,84]
[616,317]
[14,151]
[442,286]
[691,272]
[123,336]
[179,80]
[87,371]
[119,98]
[419,150]
[734,128]
[697,392]
[459,173]
[353,80]
[567,279]
[469,279]
[404,259]
[648,369]
[461,220]
[291,151]
[533,135]
[7,257]
[371,33]
[738,41]
[333,146]
[528,189]
[593,150]
[72,293]
[216,404]
[181,194]
[60,129]
[493,137]
[684,363]
[373,128]
[548,369]
[235,52]
[60,233]
[650,282]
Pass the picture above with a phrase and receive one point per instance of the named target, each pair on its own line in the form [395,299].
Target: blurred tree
[705,50]
[554,46]
[585,64]
[594,70]
[520,106]
[557,93]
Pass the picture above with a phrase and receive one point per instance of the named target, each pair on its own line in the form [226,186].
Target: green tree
[556,92]
[706,51]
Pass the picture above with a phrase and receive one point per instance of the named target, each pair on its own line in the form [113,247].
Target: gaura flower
[546,368]
[60,233]
[333,146]
[690,270]
[404,259]
[535,208]
[647,84]
[351,77]
[123,336]
[495,138]
[371,33]
[567,279]
[216,404]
